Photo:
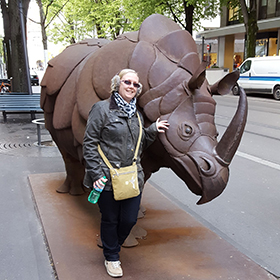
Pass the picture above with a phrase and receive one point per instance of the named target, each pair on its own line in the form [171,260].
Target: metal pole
[202,51]
[39,134]
[24,47]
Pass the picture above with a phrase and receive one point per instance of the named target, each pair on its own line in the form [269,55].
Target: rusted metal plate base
[176,247]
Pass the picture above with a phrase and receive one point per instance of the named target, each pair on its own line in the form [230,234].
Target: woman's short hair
[116,80]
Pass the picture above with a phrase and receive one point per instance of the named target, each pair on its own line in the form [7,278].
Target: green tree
[88,19]
[110,18]
[13,42]
[70,24]
[187,14]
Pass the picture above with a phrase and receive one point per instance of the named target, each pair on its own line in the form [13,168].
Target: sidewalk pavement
[23,251]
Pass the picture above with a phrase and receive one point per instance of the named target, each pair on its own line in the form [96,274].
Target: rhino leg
[73,183]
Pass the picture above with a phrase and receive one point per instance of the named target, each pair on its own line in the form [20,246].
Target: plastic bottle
[95,194]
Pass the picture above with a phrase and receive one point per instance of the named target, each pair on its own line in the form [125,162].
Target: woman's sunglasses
[127,82]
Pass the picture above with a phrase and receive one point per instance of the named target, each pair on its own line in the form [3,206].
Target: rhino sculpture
[174,88]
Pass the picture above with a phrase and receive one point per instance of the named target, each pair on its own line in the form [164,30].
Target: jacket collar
[113,103]
[114,106]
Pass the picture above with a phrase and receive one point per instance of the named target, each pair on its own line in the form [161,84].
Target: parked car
[260,75]
[34,78]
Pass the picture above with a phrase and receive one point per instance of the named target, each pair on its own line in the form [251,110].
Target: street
[37,89]
[247,213]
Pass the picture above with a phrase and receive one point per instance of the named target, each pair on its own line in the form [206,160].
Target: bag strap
[136,150]
[104,157]
[139,138]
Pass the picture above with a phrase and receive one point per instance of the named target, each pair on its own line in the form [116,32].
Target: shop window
[263,9]
[261,47]
[272,49]
[238,56]
[211,60]
[237,61]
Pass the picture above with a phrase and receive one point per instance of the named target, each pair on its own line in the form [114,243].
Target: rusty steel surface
[177,246]
[174,88]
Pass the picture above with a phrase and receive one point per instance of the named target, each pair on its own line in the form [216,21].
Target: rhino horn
[225,85]
[198,77]
[229,142]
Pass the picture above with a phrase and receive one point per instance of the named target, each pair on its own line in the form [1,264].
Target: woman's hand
[100,184]
[162,125]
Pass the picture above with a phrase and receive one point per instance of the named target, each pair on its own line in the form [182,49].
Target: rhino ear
[225,85]
[198,77]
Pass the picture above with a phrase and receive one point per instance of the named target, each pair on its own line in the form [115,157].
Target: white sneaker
[114,268]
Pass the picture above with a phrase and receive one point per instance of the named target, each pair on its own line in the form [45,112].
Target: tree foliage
[79,19]
[187,13]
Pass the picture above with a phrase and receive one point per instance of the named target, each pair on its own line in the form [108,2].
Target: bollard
[39,122]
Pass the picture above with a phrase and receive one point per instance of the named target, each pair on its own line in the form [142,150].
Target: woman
[114,125]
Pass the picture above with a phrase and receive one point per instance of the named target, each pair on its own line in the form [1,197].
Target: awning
[272,24]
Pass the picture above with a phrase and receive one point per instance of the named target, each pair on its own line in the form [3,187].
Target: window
[261,47]
[263,9]
[233,15]
[277,13]
[272,46]
[245,67]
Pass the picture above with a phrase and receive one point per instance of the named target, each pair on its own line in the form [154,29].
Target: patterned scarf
[128,108]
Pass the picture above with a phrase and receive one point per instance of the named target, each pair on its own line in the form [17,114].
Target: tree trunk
[189,17]
[251,26]
[13,43]
[43,31]
[7,37]
[252,30]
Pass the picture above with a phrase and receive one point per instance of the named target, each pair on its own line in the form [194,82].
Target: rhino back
[60,68]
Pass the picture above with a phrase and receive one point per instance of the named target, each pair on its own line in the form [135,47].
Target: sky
[34,38]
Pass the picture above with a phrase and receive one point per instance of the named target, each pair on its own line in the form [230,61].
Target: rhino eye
[185,131]
[188,130]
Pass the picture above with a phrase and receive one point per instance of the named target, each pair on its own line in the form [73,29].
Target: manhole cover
[46,149]
[9,146]
[45,144]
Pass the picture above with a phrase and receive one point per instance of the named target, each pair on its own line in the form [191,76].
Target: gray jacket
[117,135]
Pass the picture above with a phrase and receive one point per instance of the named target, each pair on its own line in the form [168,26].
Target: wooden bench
[20,103]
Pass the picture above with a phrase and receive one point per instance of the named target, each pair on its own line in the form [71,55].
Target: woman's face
[128,86]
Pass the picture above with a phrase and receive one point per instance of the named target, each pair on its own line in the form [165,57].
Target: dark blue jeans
[117,220]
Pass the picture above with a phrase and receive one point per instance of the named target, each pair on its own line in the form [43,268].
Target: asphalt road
[247,214]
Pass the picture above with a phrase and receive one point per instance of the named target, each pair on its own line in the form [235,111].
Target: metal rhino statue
[174,88]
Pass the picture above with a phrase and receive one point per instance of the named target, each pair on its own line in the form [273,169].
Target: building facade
[230,37]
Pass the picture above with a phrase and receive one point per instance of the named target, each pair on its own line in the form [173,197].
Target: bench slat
[20,104]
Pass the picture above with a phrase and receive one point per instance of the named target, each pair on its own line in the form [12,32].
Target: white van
[260,75]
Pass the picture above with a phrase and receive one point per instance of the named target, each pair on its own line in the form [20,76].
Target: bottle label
[93,196]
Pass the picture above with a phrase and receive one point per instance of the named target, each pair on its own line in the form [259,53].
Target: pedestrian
[114,125]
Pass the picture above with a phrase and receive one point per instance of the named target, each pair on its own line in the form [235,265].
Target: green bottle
[95,194]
